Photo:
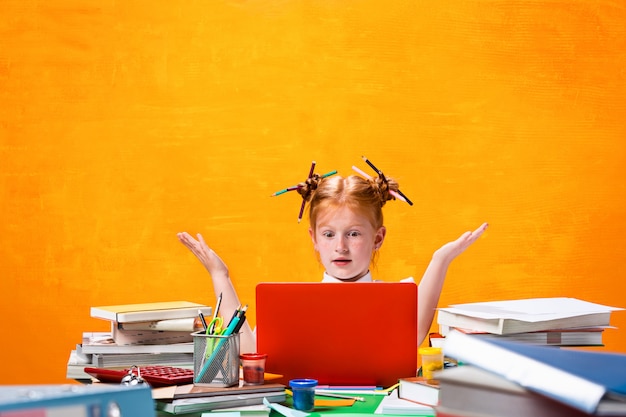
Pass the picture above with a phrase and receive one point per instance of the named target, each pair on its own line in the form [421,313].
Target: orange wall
[123,123]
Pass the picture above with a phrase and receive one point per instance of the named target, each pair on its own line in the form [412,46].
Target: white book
[149,311]
[102,342]
[170,325]
[148,337]
[392,404]
[525,315]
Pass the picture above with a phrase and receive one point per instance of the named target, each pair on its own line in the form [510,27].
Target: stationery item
[525,315]
[149,311]
[392,404]
[295,187]
[470,391]
[592,382]
[216,359]
[398,194]
[155,375]
[216,319]
[324,393]
[353,334]
[220,355]
[205,326]
[303,394]
[304,199]
[419,389]
[432,361]
[392,192]
[253,367]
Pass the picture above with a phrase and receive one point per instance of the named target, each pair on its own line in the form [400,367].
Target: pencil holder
[215,359]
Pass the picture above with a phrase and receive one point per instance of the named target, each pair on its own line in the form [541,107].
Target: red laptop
[338,333]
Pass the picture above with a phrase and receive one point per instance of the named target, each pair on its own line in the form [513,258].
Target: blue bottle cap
[303,383]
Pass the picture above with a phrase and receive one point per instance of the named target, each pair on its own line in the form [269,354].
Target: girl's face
[345,241]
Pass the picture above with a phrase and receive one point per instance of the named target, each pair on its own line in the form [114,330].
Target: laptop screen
[338,333]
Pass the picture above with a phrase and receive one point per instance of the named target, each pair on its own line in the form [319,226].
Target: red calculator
[155,375]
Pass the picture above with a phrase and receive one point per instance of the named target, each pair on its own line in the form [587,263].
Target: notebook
[342,334]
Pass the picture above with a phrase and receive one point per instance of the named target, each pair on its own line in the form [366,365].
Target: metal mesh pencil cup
[215,359]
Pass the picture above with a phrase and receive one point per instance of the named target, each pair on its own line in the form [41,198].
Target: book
[76,366]
[188,325]
[392,404]
[197,391]
[149,311]
[102,342]
[585,336]
[127,360]
[148,337]
[419,389]
[471,391]
[201,404]
[585,380]
[525,315]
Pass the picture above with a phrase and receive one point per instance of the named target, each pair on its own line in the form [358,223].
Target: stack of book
[141,334]
[239,400]
[558,321]
[499,378]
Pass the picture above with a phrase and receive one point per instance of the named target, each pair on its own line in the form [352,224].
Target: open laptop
[338,333]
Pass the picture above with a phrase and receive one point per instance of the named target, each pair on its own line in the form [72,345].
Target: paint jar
[253,365]
[303,394]
[432,361]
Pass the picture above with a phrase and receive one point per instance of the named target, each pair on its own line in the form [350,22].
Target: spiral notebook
[342,334]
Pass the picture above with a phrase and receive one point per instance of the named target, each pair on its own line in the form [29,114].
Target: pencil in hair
[303,199]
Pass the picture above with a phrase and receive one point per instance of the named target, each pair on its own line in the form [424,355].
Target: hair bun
[384,186]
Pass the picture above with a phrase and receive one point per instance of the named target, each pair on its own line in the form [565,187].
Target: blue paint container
[303,393]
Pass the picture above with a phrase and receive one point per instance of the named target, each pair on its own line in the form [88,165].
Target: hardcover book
[149,311]
[592,382]
[419,389]
[525,315]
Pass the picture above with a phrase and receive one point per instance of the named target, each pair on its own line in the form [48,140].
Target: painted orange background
[124,123]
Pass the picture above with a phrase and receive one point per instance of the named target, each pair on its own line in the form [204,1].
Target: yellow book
[165,310]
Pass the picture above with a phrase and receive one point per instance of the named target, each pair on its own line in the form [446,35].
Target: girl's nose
[341,247]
